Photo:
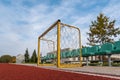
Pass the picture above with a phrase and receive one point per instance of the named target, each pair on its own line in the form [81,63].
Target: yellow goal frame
[59,65]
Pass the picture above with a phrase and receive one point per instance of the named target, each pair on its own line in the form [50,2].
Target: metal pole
[80,45]
[58,44]
[109,60]
[101,60]
[87,58]
[38,61]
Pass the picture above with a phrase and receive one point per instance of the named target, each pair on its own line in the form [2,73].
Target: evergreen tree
[26,56]
[102,30]
[34,57]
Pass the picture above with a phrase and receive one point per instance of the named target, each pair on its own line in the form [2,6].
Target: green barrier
[89,51]
[52,56]
[47,57]
[105,49]
[63,54]
[77,52]
[95,50]
[116,49]
[74,53]
[55,55]
[68,54]
[84,52]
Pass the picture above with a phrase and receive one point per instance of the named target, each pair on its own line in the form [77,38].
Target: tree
[5,59]
[26,56]
[13,59]
[34,57]
[102,30]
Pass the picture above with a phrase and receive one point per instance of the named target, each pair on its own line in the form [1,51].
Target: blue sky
[22,21]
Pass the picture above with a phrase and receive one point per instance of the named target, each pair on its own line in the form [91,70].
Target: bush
[116,64]
[94,61]
[105,63]
[94,64]
[7,59]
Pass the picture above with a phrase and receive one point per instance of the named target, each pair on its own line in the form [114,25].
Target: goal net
[60,45]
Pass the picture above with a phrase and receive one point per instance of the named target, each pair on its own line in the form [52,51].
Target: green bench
[93,50]
[63,54]
[85,52]
[105,49]
[116,49]
[68,54]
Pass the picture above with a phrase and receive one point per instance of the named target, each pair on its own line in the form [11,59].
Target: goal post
[59,44]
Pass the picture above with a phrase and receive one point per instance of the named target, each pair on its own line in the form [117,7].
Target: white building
[20,58]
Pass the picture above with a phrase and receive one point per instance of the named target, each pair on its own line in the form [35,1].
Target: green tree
[26,56]
[13,59]
[34,57]
[102,30]
[5,59]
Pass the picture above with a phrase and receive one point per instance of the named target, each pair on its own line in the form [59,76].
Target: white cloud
[18,37]
[20,25]
[84,20]
[112,10]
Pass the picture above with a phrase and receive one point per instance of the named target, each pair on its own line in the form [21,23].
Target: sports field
[21,72]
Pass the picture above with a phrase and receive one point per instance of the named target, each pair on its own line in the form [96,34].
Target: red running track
[20,72]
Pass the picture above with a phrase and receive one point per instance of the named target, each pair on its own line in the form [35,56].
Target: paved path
[115,71]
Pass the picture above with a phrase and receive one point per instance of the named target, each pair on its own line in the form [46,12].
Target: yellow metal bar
[46,64]
[58,44]
[38,61]
[70,26]
[70,65]
[46,40]
[49,28]
[52,26]
[80,44]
